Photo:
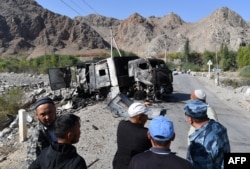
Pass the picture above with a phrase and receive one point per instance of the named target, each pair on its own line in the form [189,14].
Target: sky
[188,10]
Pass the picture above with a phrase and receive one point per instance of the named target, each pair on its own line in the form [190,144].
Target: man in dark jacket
[131,136]
[62,154]
[42,135]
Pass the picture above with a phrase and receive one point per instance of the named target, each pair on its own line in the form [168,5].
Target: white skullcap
[200,94]
[138,108]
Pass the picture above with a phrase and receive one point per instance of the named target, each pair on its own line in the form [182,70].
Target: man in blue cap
[43,133]
[209,141]
[159,156]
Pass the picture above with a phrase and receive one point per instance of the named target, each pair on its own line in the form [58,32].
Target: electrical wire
[71,7]
[78,6]
[90,7]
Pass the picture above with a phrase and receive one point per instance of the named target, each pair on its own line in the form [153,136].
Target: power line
[78,6]
[71,7]
[90,7]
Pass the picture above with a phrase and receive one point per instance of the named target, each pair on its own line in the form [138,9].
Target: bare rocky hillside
[26,28]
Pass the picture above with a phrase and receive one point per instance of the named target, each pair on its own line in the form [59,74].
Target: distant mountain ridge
[26,28]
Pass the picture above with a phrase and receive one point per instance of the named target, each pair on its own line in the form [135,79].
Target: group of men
[207,139]
[138,147]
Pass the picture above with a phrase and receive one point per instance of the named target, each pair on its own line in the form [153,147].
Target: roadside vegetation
[224,60]
[10,103]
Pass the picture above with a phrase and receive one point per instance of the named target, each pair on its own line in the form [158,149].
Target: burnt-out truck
[140,78]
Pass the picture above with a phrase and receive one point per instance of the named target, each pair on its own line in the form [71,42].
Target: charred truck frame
[141,78]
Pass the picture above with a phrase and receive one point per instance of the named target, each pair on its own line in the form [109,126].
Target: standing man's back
[131,136]
[131,140]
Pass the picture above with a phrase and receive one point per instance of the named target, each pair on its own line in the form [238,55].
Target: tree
[207,55]
[243,56]
[186,51]
[227,58]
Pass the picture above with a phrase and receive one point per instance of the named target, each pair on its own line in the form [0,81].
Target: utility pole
[217,62]
[113,39]
[165,47]
[165,43]
[111,44]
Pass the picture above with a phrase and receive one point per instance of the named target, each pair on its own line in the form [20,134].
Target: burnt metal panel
[82,76]
[92,78]
[102,75]
[59,78]
[99,76]
[119,105]
[122,70]
[141,70]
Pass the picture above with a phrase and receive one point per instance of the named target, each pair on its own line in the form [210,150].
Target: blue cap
[161,128]
[196,109]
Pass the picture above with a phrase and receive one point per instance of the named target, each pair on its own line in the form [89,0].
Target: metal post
[22,125]
[217,62]
[111,44]
[165,51]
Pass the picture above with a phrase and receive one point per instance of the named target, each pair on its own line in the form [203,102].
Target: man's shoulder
[167,157]
[217,126]
[144,155]
[36,128]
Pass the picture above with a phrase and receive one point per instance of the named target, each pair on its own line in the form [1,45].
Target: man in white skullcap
[199,94]
[132,135]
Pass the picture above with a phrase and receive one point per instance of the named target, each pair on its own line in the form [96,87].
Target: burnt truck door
[59,78]
[99,76]
[141,70]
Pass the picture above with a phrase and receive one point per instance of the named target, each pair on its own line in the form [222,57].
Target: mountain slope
[28,29]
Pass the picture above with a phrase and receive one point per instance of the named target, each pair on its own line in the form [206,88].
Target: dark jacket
[39,140]
[157,158]
[59,156]
[131,140]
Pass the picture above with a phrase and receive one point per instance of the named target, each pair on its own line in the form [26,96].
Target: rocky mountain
[27,29]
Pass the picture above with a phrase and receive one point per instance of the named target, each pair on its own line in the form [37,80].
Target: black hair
[65,123]
[161,143]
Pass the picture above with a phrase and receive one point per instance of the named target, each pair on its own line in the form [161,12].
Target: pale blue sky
[188,10]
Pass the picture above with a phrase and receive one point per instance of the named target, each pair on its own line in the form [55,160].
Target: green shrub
[192,67]
[10,103]
[37,65]
[245,72]
[230,82]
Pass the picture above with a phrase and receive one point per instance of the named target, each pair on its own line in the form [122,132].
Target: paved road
[234,118]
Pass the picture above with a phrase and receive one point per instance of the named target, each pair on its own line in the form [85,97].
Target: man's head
[161,129]
[138,112]
[198,94]
[196,109]
[67,128]
[45,111]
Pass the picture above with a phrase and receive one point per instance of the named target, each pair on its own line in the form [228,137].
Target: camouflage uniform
[208,145]
[39,139]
